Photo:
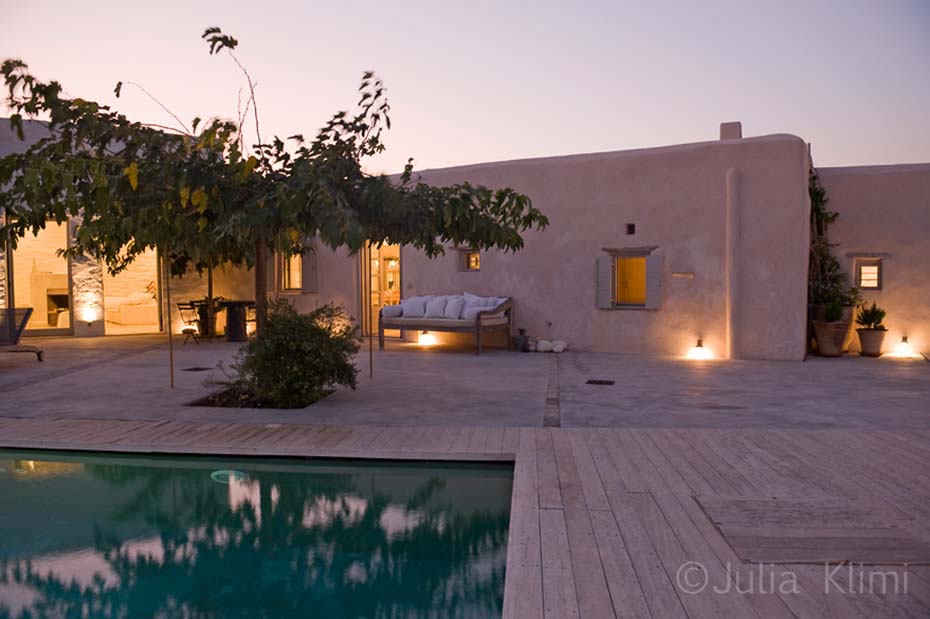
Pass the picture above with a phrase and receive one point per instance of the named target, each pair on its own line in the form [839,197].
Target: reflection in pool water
[119,536]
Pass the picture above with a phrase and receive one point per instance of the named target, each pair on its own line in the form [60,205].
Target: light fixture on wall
[89,315]
[904,350]
[699,352]
[426,339]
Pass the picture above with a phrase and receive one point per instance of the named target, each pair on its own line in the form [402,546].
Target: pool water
[92,535]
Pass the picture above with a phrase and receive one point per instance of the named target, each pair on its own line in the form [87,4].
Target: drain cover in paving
[598,381]
[196,368]
[782,530]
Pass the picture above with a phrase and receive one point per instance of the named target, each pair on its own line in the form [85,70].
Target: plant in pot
[871,330]
[830,296]
[831,332]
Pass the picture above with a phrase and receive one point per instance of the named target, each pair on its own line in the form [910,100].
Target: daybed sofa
[466,313]
[139,308]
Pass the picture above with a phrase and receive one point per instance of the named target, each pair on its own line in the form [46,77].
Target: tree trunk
[211,307]
[261,286]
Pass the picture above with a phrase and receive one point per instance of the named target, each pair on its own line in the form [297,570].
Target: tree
[202,198]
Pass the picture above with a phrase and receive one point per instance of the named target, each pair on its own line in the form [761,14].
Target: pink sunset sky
[484,81]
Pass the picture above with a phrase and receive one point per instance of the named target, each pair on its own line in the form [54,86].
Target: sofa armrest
[505,307]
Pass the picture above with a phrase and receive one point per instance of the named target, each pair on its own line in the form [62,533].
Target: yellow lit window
[869,275]
[630,282]
[292,272]
[471,260]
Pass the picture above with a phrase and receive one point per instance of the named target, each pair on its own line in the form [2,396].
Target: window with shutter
[309,274]
[292,273]
[629,279]
[605,277]
[654,267]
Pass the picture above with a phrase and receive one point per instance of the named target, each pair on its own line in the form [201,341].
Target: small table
[236,319]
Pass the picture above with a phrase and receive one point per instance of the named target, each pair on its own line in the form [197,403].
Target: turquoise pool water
[101,536]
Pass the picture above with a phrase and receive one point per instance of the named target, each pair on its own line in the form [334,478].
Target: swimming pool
[137,536]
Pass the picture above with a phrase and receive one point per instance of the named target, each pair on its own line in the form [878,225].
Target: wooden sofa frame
[506,307]
[11,330]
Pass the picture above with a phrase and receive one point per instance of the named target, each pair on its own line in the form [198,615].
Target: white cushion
[475,300]
[392,311]
[435,307]
[414,307]
[138,298]
[454,307]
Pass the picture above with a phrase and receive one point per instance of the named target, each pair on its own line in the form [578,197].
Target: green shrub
[834,311]
[299,358]
[871,317]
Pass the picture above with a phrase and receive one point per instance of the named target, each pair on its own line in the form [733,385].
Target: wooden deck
[620,522]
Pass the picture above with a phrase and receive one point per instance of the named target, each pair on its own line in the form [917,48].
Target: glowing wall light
[904,350]
[89,314]
[426,339]
[699,352]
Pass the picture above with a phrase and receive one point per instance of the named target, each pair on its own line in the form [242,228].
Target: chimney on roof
[731,130]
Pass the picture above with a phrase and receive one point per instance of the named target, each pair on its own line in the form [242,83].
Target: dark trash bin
[235,320]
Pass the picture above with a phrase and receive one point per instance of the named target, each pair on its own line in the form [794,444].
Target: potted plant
[831,332]
[831,299]
[871,330]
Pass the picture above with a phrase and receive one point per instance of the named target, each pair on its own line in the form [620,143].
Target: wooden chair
[13,322]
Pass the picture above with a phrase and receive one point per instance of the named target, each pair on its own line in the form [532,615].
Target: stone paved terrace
[127,378]
[676,475]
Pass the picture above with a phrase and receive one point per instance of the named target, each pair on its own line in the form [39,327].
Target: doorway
[380,284]
[42,280]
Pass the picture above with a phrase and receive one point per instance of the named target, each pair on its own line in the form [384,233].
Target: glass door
[42,280]
[380,284]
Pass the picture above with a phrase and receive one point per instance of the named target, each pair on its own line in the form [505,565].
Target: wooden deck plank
[651,578]
[671,495]
[724,468]
[701,465]
[478,439]
[511,443]
[547,475]
[594,495]
[698,535]
[626,593]
[559,597]
[684,470]
[462,440]
[523,591]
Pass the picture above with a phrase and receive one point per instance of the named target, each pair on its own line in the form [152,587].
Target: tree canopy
[202,197]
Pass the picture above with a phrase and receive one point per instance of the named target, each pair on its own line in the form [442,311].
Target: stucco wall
[886,209]
[337,282]
[676,196]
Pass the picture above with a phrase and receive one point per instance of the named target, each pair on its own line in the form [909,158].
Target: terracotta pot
[819,313]
[870,341]
[831,336]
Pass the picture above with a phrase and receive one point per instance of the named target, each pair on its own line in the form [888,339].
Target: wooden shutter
[605,282]
[308,277]
[654,266]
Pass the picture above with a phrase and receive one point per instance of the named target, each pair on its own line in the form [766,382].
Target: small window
[629,278]
[869,274]
[471,261]
[292,272]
